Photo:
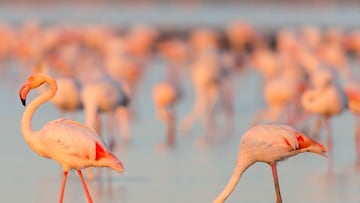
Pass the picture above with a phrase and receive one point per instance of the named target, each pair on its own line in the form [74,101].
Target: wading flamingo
[353,93]
[269,143]
[72,144]
[206,81]
[327,98]
[165,96]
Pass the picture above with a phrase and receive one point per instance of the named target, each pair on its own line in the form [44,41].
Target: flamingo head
[32,82]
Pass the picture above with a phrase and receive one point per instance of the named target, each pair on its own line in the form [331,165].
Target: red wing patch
[302,142]
[100,152]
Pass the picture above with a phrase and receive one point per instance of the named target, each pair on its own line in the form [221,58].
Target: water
[188,173]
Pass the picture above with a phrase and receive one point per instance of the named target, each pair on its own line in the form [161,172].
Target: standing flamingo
[269,143]
[353,93]
[165,96]
[206,80]
[326,98]
[72,144]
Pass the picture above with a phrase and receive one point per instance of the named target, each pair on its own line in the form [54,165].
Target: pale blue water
[187,173]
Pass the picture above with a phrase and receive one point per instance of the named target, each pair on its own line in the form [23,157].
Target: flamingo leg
[329,144]
[110,125]
[123,116]
[315,131]
[63,187]
[276,182]
[192,116]
[85,187]
[357,142]
[170,135]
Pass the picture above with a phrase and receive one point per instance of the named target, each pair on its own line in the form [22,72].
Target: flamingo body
[165,94]
[328,101]
[74,146]
[67,98]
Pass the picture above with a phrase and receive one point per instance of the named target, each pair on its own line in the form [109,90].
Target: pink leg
[357,142]
[63,187]
[329,144]
[357,149]
[110,125]
[316,130]
[123,116]
[170,135]
[85,187]
[276,182]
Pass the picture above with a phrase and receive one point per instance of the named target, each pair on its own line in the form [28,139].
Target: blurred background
[197,75]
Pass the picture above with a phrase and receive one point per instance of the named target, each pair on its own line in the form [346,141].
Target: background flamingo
[205,75]
[67,97]
[327,98]
[165,96]
[72,144]
[353,94]
[269,144]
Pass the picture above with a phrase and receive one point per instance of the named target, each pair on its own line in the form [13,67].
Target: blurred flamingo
[327,98]
[7,44]
[67,97]
[270,144]
[105,96]
[206,81]
[353,93]
[165,96]
[72,144]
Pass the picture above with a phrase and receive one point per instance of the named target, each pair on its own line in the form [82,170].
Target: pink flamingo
[353,93]
[165,96]
[269,144]
[205,76]
[72,144]
[67,97]
[106,96]
[326,98]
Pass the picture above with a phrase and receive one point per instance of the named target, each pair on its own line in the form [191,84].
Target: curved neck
[240,168]
[33,105]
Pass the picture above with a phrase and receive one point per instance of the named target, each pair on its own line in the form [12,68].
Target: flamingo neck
[33,105]
[240,168]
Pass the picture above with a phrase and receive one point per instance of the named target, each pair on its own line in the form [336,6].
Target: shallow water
[187,173]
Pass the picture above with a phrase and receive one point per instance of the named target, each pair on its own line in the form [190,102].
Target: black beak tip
[23,101]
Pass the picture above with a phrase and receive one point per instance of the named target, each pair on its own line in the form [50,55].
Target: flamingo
[353,93]
[206,81]
[269,143]
[72,144]
[105,95]
[67,97]
[165,97]
[326,98]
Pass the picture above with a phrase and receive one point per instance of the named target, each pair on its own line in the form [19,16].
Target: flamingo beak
[24,90]
[318,149]
[310,145]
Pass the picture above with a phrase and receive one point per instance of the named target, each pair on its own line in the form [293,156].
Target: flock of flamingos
[305,75]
